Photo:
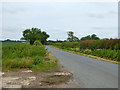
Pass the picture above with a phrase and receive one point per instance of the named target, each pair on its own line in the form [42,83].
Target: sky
[57,18]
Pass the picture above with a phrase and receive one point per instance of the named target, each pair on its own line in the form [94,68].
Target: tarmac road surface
[88,72]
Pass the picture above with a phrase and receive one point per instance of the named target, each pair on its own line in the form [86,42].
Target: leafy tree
[92,37]
[86,38]
[35,34]
[22,38]
[71,37]
[75,38]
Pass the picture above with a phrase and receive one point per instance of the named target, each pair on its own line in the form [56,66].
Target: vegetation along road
[88,72]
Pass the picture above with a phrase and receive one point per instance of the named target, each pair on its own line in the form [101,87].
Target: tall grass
[23,55]
[22,50]
[7,44]
[103,53]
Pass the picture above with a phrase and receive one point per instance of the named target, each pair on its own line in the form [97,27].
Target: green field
[8,44]
[16,55]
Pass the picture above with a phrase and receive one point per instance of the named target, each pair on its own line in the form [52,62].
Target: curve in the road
[88,72]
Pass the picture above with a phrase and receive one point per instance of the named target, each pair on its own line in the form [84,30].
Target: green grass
[107,49]
[103,53]
[7,44]
[24,55]
[45,66]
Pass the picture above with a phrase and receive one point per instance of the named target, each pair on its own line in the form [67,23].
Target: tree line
[73,38]
[34,34]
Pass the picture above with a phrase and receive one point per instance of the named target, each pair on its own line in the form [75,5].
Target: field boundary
[91,56]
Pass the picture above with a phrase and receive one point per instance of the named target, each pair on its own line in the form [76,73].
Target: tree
[75,38]
[71,37]
[86,38]
[92,37]
[35,34]
[22,38]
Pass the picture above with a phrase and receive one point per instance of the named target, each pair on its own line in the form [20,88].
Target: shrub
[87,44]
[58,44]
[49,43]
[100,44]
[67,44]
[37,43]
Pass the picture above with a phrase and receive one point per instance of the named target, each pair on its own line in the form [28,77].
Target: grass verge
[91,56]
[50,62]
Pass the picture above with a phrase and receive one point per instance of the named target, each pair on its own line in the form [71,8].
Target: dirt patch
[26,78]
[56,79]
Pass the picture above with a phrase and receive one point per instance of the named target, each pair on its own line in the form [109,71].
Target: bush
[58,44]
[67,44]
[100,44]
[87,44]
[49,43]
[37,43]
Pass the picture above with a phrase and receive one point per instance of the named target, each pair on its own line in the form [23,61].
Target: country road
[88,72]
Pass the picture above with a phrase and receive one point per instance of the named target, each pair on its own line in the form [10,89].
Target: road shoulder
[91,56]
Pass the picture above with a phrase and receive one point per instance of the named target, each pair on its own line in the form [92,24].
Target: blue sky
[83,18]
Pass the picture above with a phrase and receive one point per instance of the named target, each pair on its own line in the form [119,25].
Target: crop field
[16,55]
[8,44]
[108,49]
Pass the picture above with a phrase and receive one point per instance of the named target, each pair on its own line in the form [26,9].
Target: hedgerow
[67,44]
[108,49]
[100,44]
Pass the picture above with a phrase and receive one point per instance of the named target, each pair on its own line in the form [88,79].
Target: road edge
[91,56]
